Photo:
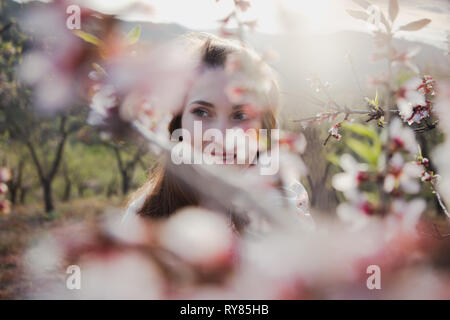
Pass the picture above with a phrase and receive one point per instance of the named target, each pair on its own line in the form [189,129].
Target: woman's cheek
[187,124]
[250,125]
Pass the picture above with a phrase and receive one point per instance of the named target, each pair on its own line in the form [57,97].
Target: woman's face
[208,103]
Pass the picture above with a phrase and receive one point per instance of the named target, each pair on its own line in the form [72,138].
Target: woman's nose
[222,126]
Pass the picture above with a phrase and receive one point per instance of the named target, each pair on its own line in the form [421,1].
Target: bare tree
[126,165]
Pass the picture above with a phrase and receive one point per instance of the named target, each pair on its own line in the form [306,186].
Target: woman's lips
[224,156]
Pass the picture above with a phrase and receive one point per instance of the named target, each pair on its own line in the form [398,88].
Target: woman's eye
[241,116]
[201,113]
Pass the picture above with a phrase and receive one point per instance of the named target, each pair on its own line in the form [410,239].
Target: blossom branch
[441,203]
[373,114]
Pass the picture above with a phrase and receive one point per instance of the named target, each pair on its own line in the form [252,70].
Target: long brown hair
[166,193]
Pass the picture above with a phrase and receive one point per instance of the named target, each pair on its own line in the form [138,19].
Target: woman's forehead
[210,86]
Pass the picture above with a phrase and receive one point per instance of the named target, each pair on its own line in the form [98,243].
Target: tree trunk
[47,188]
[15,183]
[23,194]
[47,178]
[125,182]
[12,193]
[81,188]
[111,189]
[67,189]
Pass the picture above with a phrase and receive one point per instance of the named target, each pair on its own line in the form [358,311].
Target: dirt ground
[24,225]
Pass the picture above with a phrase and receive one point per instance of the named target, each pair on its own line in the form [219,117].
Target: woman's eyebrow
[238,106]
[203,103]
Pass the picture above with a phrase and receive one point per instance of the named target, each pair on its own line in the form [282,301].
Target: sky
[312,16]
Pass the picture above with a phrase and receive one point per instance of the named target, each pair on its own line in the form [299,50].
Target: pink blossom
[102,104]
[425,162]
[440,154]
[406,59]
[428,86]
[357,213]
[407,214]
[402,175]
[295,143]
[354,174]
[291,166]
[426,177]
[243,5]
[334,131]
[104,99]
[5,207]
[5,174]
[402,138]
[408,97]
[55,67]
[247,82]
[3,188]
[442,105]
[200,237]
[135,277]
[419,113]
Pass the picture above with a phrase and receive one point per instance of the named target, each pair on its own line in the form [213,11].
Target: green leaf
[415,25]
[374,102]
[363,150]
[376,148]
[372,197]
[376,99]
[334,159]
[360,129]
[90,38]
[134,35]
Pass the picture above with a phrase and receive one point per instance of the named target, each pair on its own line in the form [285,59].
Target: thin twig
[373,114]
[441,203]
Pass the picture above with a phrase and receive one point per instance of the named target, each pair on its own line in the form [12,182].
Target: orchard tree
[128,157]
[42,134]
[15,157]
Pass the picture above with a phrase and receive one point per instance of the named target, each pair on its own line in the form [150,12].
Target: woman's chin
[225,161]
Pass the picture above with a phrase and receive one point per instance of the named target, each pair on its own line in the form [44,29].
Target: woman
[213,102]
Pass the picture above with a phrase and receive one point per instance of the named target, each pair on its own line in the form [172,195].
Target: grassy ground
[20,228]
